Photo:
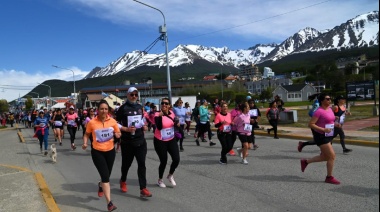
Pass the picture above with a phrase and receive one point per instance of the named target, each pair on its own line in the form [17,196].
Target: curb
[45,191]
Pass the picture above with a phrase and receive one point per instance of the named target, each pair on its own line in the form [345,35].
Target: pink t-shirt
[324,117]
[234,113]
[241,121]
[167,132]
[71,119]
[227,118]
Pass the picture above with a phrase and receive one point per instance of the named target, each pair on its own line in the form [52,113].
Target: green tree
[4,107]
[28,104]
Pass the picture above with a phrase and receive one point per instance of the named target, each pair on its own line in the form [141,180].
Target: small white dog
[53,153]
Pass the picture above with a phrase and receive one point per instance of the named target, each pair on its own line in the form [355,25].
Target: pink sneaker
[332,180]
[303,164]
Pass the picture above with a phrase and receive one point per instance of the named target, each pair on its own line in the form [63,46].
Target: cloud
[15,83]
[272,19]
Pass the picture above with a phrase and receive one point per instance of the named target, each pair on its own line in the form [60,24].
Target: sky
[79,35]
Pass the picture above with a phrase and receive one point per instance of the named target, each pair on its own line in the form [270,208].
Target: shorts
[245,138]
[321,139]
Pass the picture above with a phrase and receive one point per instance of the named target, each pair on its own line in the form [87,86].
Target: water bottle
[133,125]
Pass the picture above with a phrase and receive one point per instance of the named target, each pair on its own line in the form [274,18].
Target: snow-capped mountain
[360,31]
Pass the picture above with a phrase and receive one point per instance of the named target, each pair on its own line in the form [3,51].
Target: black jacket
[128,109]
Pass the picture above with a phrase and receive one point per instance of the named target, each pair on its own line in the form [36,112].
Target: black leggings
[72,132]
[273,123]
[203,128]
[162,149]
[227,144]
[339,131]
[103,162]
[182,131]
[128,153]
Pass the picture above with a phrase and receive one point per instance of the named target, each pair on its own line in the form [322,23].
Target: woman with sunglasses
[71,121]
[103,129]
[244,130]
[273,115]
[165,142]
[223,122]
[322,125]
[42,130]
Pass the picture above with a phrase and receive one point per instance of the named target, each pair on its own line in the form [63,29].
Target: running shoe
[255,147]
[45,153]
[303,164]
[161,184]
[181,149]
[73,147]
[300,146]
[188,133]
[100,190]
[232,153]
[111,206]
[240,152]
[145,193]
[123,186]
[244,161]
[204,140]
[222,162]
[197,141]
[276,137]
[345,151]
[60,143]
[171,180]
[212,143]
[332,180]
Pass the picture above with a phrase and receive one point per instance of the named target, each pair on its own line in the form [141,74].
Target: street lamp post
[164,36]
[75,95]
[38,95]
[49,92]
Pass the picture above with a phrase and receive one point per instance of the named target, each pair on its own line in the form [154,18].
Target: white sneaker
[240,152]
[244,161]
[171,180]
[161,184]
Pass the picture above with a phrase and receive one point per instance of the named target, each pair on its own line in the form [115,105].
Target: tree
[4,107]
[28,104]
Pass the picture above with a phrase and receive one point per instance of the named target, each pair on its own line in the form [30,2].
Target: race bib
[42,125]
[72,122]
[167,134]
[341,119]
[181,121]
[248,127]
[227,128]
[330,126]
[139,123]
[253,112]
[104,135]
[58,123]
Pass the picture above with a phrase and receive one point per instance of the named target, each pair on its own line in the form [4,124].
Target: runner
[273,115]
[133,143]
[340,113]
[322,124]
[243,129]
[180,113]
[204,120]
[188,117]
[103,129]
[165,142]
[223,122]
[71,122]
[255,115]
[42,131]
[57,121]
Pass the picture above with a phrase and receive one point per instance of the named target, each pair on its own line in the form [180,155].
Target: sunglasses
[132,94]
[328,99]
[164,103]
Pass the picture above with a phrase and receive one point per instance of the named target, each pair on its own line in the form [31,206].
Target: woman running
[223,122]
[322,125]
[42,130]
[165,142]
[340,113]
[273,115]
[58,120]
[188,117]
[244,129]
[180,113]
[103,129]
[255,115]
[204,126]
[71,120]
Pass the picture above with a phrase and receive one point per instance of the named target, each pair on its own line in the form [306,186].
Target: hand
[327,130]
[84,146]
[132,129]
[145,128]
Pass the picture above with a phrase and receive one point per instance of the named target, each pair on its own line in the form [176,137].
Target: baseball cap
[71,107]
[203,101]
[132,89]
[41,111]
[248,98]
[340,97]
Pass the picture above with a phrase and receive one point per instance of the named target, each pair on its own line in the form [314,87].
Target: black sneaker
[196,141]
[222,162]
[347,150]
[204,140]
[111,206]
[181,149]
[212,143]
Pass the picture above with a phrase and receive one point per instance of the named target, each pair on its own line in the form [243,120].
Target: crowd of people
[126,125]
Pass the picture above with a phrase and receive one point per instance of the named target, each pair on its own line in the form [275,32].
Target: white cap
[41,111]
[71,107]
[132,89]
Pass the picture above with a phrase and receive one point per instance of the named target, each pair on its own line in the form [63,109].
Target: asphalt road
[272,181]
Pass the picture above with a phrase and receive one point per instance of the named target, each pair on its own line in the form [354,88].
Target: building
[250,73]
[268,73]
[256,87]
[294,93]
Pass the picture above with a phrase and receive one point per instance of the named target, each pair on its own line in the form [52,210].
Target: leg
[141,169]
[223,143]
[173,151]
[161,150]
[127,156]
